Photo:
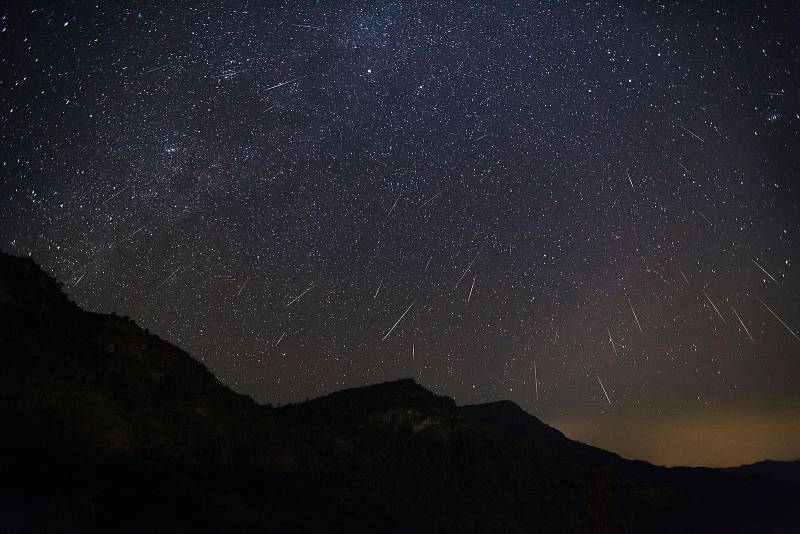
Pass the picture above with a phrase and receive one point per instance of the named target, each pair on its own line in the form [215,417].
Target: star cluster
[590,209]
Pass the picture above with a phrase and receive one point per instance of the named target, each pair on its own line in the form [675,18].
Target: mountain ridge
[107,418]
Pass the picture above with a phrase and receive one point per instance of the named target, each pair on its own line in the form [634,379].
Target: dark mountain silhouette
[109,429]
[784,472]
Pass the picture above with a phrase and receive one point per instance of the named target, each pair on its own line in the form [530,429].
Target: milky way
[591,210]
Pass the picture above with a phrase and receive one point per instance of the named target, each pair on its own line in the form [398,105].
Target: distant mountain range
[107,428]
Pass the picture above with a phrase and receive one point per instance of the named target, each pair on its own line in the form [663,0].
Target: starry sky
[590,209]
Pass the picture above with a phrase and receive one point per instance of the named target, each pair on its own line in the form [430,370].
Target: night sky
[591,210]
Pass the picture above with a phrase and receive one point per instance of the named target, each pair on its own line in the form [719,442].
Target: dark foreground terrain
[107,428]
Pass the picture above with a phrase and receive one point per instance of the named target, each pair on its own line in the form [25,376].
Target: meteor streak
[786,326]
[167,279]
[715,307]
[634,315]
[283,83]
[398,322]
[604,388]
[469,267]
[429,200]
[611,339]
[765,271]
[245,283]
[300,295]
[742,323]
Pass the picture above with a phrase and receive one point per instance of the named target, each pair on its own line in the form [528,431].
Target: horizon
[641,446]
[590,210]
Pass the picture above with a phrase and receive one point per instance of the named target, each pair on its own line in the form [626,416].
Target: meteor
[398,322]
[634,315]
[604,388]
[300,295]
[786,326]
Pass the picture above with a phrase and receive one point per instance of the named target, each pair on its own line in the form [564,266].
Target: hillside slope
[109,429]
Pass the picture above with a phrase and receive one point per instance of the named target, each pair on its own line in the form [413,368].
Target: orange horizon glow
[724,439]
